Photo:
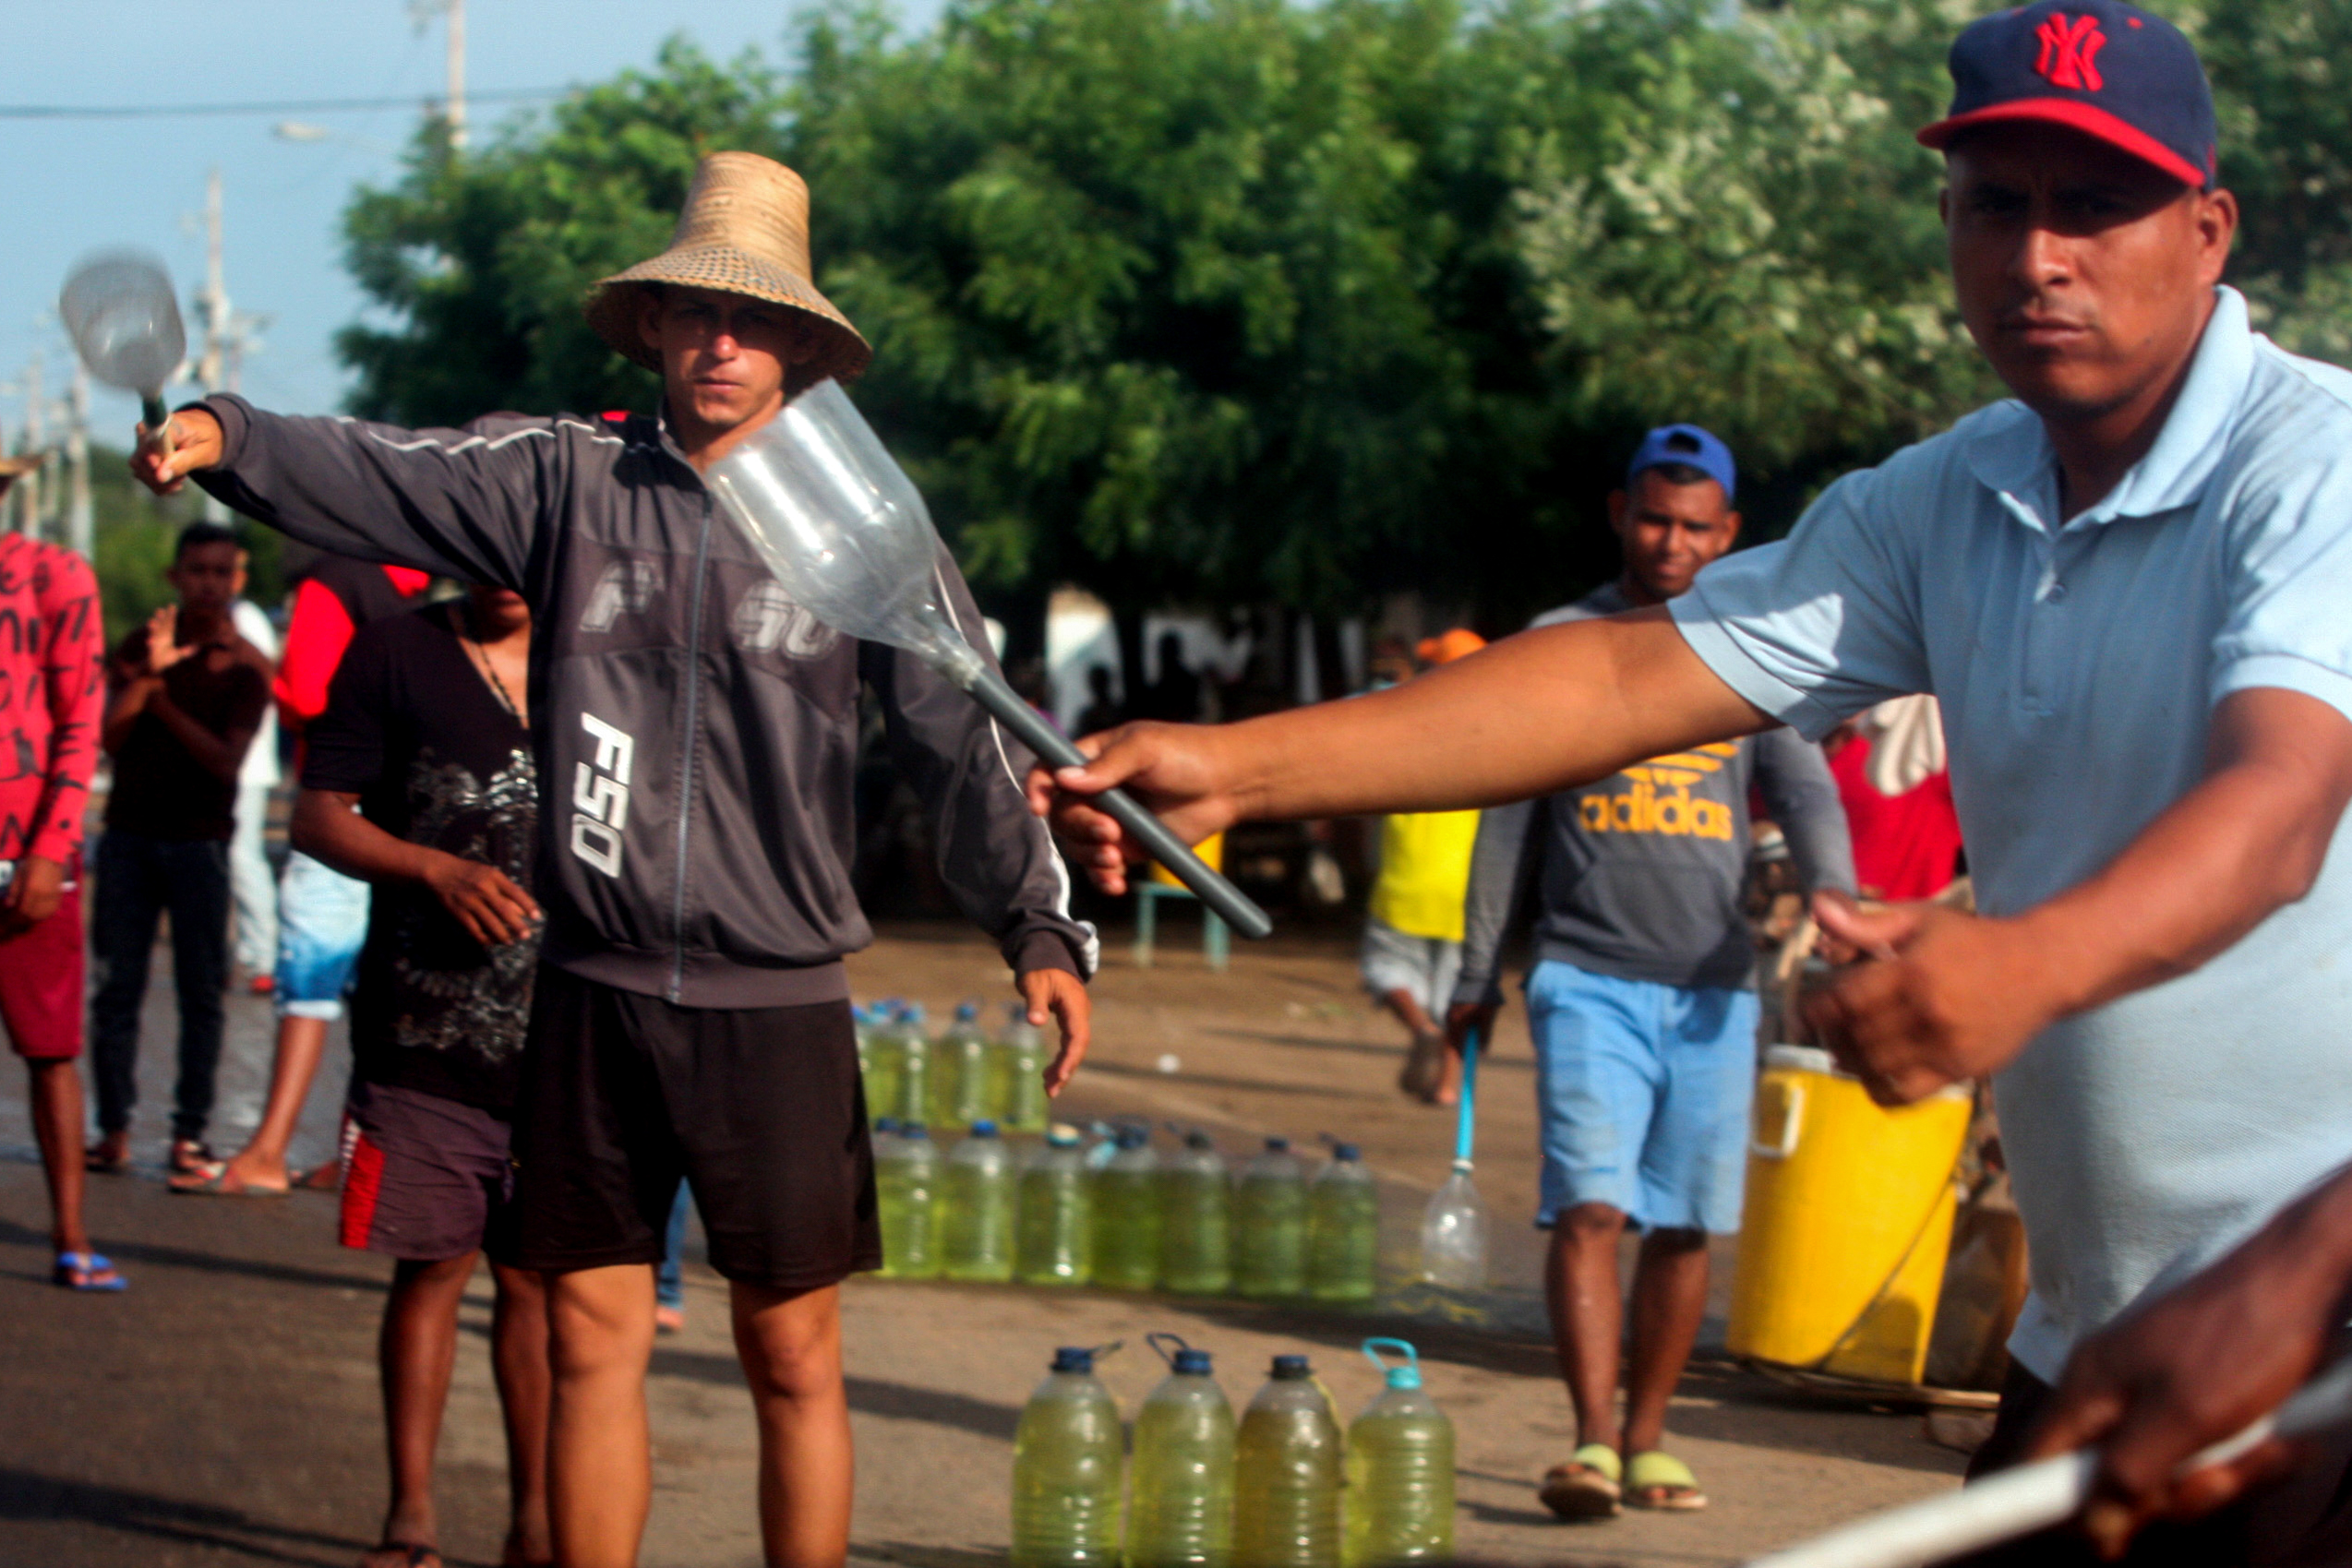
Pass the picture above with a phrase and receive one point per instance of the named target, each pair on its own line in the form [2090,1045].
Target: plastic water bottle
[1066,1471]
[907,1188]
[980,1208]
[880,1059]
[1127,1215]
[913,1065]
[1288,1469]
[1182,1512]
[1270,1226]
[1017,1059]
[1054,1244]
[1343,1229]
[1400,1471]
[1196,1220]
[959,1070]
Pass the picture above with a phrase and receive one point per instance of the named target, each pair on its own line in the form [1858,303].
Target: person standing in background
[1892,779]
[322,915]
[52,701]
[186,695]
[253,887]
[1412,933]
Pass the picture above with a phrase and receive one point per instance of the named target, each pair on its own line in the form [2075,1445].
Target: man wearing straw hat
[2126,585]
[698,730]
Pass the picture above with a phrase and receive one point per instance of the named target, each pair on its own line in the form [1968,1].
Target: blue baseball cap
[1692,448]
[2106,69]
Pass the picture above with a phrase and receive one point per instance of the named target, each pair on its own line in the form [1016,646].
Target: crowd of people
[2092,626]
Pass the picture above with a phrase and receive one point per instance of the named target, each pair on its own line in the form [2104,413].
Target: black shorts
[760,1109]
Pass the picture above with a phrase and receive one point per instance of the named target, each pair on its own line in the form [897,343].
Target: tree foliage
[1239,300]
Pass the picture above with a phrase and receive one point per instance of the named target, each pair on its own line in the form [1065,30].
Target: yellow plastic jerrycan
[1848,1219]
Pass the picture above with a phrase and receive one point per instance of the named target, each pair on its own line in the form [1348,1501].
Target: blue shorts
[1644,1091]
[322,924]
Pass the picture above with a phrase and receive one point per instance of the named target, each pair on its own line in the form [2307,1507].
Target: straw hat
[745,230]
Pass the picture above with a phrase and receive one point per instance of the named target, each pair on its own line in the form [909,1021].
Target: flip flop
[328,1177]
[191,1157]
[1656,1479]
[79,1272]
[102,1161]
[214,1181]
[1586,1487]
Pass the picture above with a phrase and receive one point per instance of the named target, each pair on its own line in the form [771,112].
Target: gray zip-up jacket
[697,731]
[1639,875]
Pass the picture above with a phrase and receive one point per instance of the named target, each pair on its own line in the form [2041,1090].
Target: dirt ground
[223,1410]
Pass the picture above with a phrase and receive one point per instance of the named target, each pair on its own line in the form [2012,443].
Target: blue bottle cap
[1192,1363]
[1278,1145]
[1073,1359]
[1287,1369]
[967,1011]
[915,1131]
[886,1124]
[1346,1151]
[1133,1137]
[984,1127]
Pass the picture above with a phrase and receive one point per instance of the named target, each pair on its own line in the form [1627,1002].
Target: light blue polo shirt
[2076,666]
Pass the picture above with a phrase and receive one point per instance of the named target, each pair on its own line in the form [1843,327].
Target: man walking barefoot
[2126,588]
[697,728]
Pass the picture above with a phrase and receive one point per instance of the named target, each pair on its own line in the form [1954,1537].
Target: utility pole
[453,12]
[80,528]
[228,332]
[36,442]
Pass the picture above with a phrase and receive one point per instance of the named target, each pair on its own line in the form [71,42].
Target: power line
[287,106]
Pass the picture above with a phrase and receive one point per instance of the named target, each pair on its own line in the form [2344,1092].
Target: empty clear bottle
[1017,1073]
[907,1192]
[1181,1514]
[1287,1470]
[1196,1220]
[1054,1243]
[1066,1471]
[1343,1229]
[1127,1215]
[1270,1226]
[1400,1471]
[959,1071]
[880,1059]
[978,1241]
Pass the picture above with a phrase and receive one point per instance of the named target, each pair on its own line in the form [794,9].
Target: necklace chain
[481,653]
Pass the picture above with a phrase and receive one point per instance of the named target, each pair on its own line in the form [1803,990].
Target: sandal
[1658,1481]
[328,1177]
[191,1157]
[214,1180]
[1586,1487]
[90,1273]
[111,1155]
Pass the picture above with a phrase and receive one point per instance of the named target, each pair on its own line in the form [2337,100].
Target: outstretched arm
[1537,712]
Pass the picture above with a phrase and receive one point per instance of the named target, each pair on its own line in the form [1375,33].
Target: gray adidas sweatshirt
[1639,875]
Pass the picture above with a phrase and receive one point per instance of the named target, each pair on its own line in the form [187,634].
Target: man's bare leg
[414,1352]
[1424,1073]
[1669,1302]
[519,1359]
[302,1045]
[600,1466]
[790,1344]
[55,1097]
[1587,1314]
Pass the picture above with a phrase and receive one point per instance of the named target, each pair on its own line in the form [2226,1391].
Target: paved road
[222,1411]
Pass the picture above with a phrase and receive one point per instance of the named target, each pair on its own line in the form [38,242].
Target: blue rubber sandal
[82,1271]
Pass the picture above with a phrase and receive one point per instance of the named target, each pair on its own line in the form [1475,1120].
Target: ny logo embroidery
[2069,51]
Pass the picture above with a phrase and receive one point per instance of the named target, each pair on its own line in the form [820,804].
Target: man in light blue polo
[2131,590]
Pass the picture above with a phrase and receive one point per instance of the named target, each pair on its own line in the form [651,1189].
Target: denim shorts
[322,924]
[1644,1091]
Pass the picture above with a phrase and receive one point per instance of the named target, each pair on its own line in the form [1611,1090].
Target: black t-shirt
[160,788]
[413,728]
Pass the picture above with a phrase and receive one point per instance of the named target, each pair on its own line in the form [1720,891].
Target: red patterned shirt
[51,696]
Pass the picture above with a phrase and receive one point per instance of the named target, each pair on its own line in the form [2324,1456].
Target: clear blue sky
[72,185]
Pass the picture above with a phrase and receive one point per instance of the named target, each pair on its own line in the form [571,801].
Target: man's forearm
[1535,714]
[2246,842]
[330,831]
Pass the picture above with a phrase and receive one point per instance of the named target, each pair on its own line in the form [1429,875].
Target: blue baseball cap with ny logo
[2106,69]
